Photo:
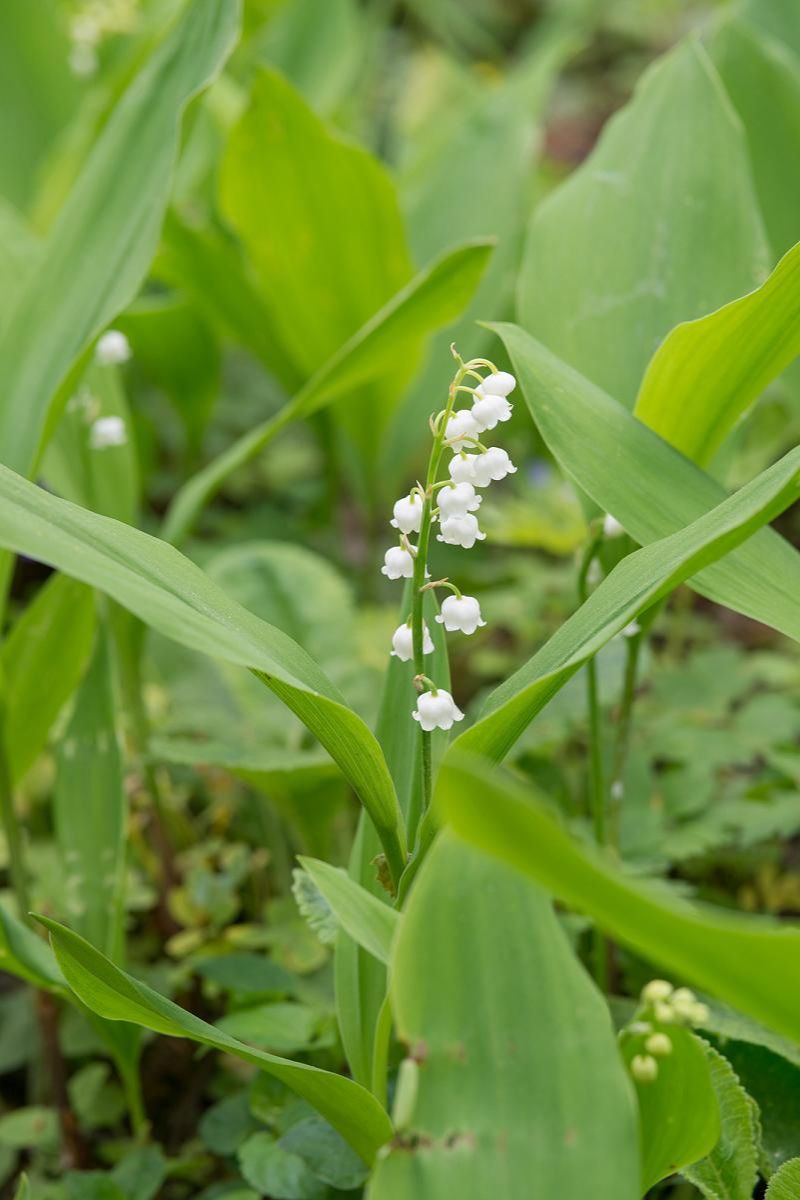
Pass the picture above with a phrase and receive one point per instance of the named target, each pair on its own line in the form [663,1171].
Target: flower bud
[461,531]
[408,513]
[493,465]
[107,431]
[436,710]
[398,563]
[644,1069]
[658,1044]
[112,348]
[612,527]
[461,429]
[462,613]
[403,642]
[502,383]
[656,989]
[457,499]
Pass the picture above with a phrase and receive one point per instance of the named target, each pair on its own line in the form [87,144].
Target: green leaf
[431,299]
[730,1171]
[773,1082]
[762,77]
[286,1028]
[728,358]
[100,247]
[29,1128]
[491,1001]
[679,1115]
[586,430]
[369,922]
[333,204]
[654,228]
[326,1153]
[635,584]
[276,1172]
[165,590]
[24,954]
[41,663]
[118,997]
[140,1173]
[23,1191]
[733,957]
[90,810]
[785,1183]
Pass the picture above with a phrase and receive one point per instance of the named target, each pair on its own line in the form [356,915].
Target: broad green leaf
[736,958]
[780,21]
[100,247]
[707,373]
[773,1083]
[326,1153]
[679,1116]
[656,227]
[361,915]
[90,810]
[41,663]
[730,1171]
[785,1183]
[762,77]
[312,209]
[501,1022]
[432,298]
[277,1172]
[319,48]
[635,584]
[168,592]
[26,955]
[118,997]
[652,490]
[360,978]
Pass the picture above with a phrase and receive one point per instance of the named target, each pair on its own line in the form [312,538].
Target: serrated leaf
[785,1183]
[729,1172]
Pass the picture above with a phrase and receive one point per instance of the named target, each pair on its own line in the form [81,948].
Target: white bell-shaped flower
[493,465]
[612,527]
[460,613]
[398,563]
[437,710]
[112,348]
[107,431]
[462,468]
[461,531]
[408,513]
[462,429]
[403,642]
[501,383]
[457,499]
[488,410]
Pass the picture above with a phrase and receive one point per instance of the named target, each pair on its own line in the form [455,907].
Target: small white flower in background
[461,531]
[462,613]
[107,431]
[656,989]
[112,348]
[398,563]
[487,411]
[436,710]
[403,642]
[83,60]
[408,513]
[500,383]
[461,429]
[631,630]
[492,466]
[462,468]
[617,789]
[612,527]
[457,499]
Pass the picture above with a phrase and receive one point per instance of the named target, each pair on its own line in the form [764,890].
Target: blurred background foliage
[346,146]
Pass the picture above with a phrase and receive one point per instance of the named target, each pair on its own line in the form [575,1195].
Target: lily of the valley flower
[499,383]
[398,563]
[489,410]
[408,513]
[457,499]
[612,527]
[437,710]
[403,642]
[462,613]
[492,466]
[107,431]
[462,429]
[461,531]
[112,348]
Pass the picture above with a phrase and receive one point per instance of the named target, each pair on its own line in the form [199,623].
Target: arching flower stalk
[454,503]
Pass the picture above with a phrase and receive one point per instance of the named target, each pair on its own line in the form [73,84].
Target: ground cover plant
[399,599]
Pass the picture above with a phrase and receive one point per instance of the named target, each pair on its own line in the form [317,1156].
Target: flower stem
[632,648]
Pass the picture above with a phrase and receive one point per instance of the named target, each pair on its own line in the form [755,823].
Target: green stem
[17,872]
[624,723]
